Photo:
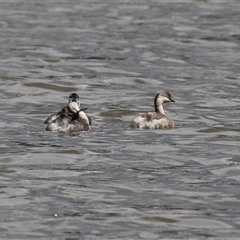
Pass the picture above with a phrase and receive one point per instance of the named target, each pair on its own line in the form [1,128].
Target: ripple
[219,129]
[51,87]
[115,182]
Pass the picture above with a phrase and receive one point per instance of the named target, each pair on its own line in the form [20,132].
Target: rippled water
[115,182]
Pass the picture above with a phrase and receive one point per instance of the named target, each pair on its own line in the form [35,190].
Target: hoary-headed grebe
[72,98]
[70,119]
[157,119]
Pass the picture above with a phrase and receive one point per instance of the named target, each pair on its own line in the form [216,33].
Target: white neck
[160,109]
[84,116]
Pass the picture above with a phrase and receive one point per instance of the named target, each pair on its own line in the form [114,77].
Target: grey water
[115,182]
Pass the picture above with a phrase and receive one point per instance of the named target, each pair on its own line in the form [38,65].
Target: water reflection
[115,182]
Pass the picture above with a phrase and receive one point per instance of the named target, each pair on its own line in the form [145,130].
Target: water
[115,182]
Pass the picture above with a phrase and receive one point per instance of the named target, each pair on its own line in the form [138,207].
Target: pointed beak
[172,100]
[83,109]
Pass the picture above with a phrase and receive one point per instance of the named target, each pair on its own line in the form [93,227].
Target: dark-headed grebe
[157,119]
[70,119]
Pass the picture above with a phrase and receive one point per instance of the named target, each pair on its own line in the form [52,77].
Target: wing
[157,120]
[153,116]
[89,119]
[51,118]
[54,116]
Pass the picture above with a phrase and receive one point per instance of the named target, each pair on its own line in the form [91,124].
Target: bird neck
[159,108]
[83,116]
[158,104]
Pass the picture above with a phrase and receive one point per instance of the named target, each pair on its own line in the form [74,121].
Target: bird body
[70,119]
[156,119]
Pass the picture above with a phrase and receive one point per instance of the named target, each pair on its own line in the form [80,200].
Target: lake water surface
[115,182]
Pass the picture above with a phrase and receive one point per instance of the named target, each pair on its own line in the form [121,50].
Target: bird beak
[83,109]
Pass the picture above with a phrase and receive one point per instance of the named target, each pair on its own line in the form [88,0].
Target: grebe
[70,119]
[157,119]
[72,98]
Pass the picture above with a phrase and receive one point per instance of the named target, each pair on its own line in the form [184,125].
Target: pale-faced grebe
[157,119]
[70,119]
